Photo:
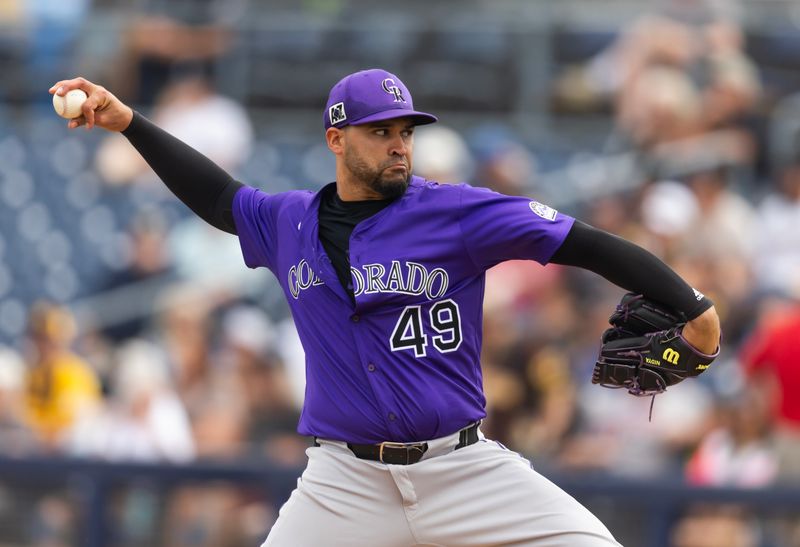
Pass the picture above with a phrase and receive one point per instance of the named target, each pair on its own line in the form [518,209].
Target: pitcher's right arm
[202,185]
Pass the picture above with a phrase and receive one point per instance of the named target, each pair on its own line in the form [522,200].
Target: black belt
[407,453]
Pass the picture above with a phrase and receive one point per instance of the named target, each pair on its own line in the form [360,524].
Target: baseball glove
[644,351]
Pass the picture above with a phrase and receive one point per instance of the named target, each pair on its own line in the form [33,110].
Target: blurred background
[150,384]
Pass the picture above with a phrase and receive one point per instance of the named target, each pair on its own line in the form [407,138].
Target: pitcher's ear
[335,138]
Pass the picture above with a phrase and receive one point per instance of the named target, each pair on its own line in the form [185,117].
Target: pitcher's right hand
[101,108]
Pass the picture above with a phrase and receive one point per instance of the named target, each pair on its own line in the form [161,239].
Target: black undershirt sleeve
[628,266]
[196,180]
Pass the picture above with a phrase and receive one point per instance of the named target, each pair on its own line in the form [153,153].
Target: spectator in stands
[442,155]
[669,79]
[716,526]
[52,31]
[168,38]
[726,220]
[738,451]
[52,523]
[502,162]
[60,386]
[711,50]
[191,108]
[219,515]
[148,272]
[734,87]
[144,420]
[661,104]
[539,427]
[15,437]
[210,393]
[770,357]
[184,333]
[668,210]
[249,354]
[777,234]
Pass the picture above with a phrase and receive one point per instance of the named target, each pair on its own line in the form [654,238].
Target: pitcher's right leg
[341,501]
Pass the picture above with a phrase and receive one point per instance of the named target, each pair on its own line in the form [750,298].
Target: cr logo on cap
[390,87]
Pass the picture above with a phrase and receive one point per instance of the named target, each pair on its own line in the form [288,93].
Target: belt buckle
[390,444]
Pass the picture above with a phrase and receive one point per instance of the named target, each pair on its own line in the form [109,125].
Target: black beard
[389,189]
[375,181]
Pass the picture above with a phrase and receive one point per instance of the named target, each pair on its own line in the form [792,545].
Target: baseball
[69,105]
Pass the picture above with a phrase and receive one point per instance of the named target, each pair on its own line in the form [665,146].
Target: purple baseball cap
[371,96]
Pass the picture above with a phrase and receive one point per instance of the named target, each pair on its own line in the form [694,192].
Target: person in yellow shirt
[60,386]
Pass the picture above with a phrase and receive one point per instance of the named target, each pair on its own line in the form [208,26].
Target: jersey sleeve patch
[542,210]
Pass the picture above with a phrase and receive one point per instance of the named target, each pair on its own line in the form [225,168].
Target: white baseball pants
[479,495]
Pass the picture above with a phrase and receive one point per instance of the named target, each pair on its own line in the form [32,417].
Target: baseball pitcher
[384,274]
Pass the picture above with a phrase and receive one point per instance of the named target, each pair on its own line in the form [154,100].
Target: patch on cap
[336,113]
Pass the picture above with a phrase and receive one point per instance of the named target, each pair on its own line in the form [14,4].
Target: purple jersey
[403,364]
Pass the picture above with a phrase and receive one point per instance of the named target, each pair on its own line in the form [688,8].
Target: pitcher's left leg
[485,495]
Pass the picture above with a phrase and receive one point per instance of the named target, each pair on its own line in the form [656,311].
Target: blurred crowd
[211,373]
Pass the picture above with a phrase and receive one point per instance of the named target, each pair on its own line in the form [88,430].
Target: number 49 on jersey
[410,334]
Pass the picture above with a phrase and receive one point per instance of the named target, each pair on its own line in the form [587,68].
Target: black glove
[644,350]
[647,365]
[635,315]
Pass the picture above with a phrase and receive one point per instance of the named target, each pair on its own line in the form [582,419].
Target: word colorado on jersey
[409,278]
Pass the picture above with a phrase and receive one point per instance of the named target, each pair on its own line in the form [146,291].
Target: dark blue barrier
[95,479]
[661,501]
[664,500]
